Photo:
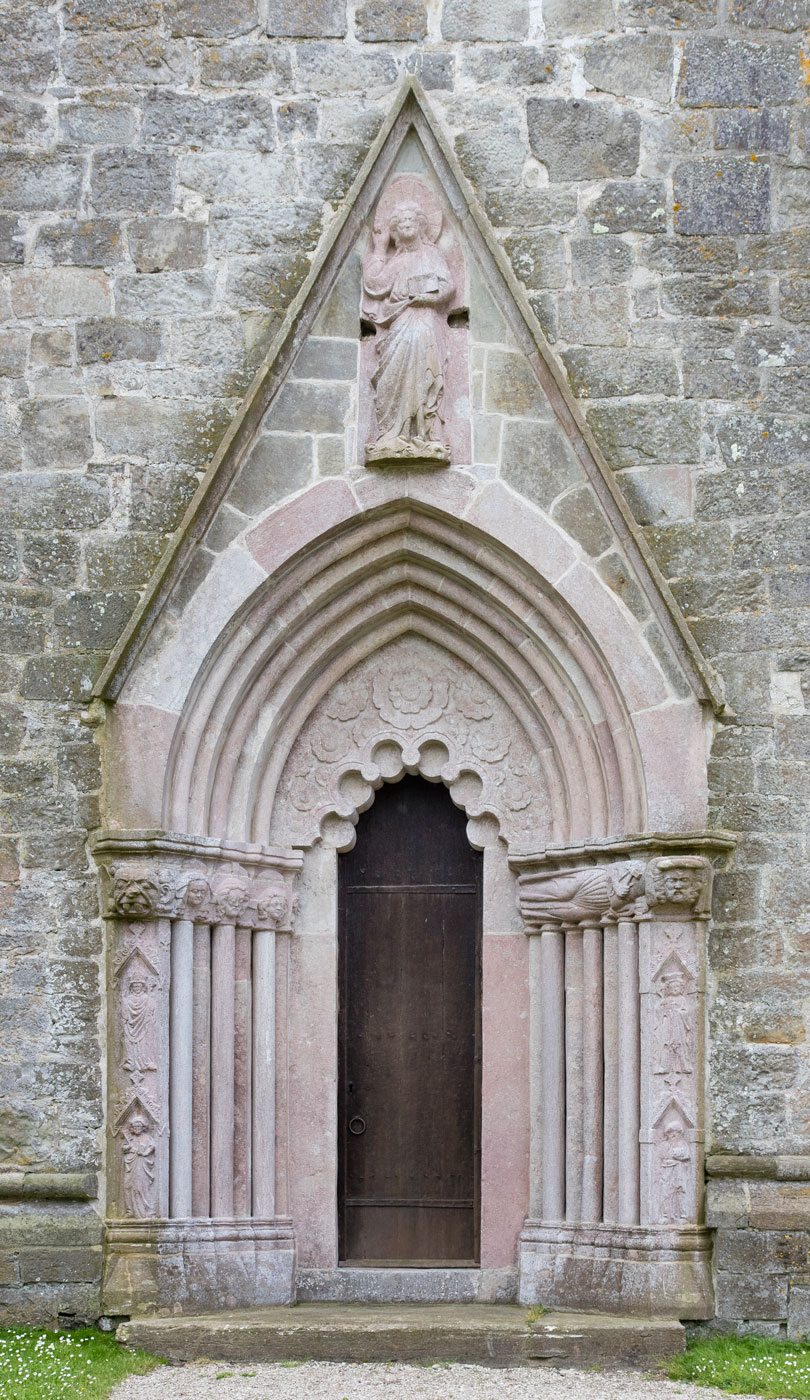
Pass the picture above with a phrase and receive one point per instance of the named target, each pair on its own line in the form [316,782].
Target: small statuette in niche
[409,288]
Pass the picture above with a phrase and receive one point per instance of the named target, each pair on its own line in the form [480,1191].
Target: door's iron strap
[365,1201]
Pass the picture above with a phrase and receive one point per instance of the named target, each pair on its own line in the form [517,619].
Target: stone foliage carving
[411,708]
[667,887]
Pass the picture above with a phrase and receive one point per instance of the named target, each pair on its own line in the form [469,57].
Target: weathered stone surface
[716,296]
[600,260]
[60,292]
[157,244]
[722,196]
[175,119]
[595,316]
[537,259]
[108,338]
[521,64]
[124,180]
[475,19]
[772,14]
[633,435]
[307,19]
[629,206]
[537,460]
[236,65]
[36,181]
[98,120]
[381,21]
[730,72]
[82,242]
[55,433]
[632,66]
[564,17]
[492,156]
[752,131]
[111,59]
[605,374]
[29,38]
[581,140]
[211,19]
[279,464]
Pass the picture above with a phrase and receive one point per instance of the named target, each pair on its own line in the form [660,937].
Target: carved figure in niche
[271,906]
[406,280]
[673,1032]
[674,1158]
[138,1151]
[681,881]
[138,1020]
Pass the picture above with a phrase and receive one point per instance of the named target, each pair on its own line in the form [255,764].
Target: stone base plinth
[189,1266]
[641,1271]
[347,1285]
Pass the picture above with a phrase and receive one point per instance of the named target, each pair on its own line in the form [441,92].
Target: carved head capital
[196,899]
[679,887]
[274,906]
[231,899]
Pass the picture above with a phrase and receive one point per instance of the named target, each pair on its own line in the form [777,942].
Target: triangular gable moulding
[409,113]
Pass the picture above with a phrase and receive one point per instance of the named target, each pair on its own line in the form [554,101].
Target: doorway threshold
[406,1284]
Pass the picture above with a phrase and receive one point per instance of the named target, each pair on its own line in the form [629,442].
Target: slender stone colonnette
[618,982]
[191,937]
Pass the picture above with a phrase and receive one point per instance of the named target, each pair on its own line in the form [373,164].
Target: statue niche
[414,371]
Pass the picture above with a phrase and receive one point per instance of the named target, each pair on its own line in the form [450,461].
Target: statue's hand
[379,242]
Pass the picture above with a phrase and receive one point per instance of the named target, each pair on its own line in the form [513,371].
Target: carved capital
[146,876]
[579,896]
[678,887]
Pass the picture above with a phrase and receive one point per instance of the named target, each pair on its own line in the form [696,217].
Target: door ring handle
[357,1125]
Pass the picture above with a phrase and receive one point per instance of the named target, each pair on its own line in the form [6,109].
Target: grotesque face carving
[134,896]
[680,886]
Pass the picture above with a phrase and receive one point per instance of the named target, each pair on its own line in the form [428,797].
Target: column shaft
[610,1195]
[201,1086]
[552,954]
[629,1074]
[242,1092]
[574,1145]
[181,1066]
[222,1064]
[264,1073]
[592,1067]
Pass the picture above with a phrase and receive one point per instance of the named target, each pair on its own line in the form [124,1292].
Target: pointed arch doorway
[409,1085]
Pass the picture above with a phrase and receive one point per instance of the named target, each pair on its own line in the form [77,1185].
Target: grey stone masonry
[168,171]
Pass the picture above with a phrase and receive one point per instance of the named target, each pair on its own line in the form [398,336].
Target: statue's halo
[416,190]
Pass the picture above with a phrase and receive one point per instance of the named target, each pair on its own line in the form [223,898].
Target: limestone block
[109,59]
[82,242]
[752,131]
[433,70]
[94,619]
[513,65]
[177,119]
[772,14]
[99,119]
[763,440]
[476,19]
[629,205]
[635,434]
[578,139]
[307,19]
[279,463]
[601,259]
[211,19]
[722,196]
[605,374]
[720,72]
[595,316]
[106,14]
[62,1265]
[580,515]
[538,259]
[564,17]
[55,433]
[632,66]
[798,1315]
[112,338]
[325,68]
[749,1295]
[383,21]
[157,244]
[236,65]
[57,292]
[11,239]
[29,40]
[46,500]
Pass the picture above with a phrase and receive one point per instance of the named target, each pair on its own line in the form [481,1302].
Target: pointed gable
[302,428]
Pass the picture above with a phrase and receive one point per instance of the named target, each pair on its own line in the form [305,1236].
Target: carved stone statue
[138,1018]
[575,895]
[674,1158]
[138,1151]
[679,883]
[673,1032]
[406,280]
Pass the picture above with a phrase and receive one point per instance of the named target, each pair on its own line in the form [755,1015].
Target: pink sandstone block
[299,522]
[505,1097]
[508,518]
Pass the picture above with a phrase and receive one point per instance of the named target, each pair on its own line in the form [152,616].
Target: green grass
[78,1365]
[747,1366]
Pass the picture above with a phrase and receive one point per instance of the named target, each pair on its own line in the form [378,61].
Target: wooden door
[410,1033]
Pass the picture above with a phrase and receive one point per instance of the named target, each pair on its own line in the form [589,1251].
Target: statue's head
[137,1125]
[408,222]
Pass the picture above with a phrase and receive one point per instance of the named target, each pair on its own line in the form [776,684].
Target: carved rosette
[148,884]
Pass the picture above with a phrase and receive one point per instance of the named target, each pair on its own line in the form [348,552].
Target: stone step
[499,1334]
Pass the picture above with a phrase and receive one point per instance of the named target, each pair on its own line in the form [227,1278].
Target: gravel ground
[323,1380]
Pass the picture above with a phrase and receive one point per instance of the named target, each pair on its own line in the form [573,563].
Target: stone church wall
[169,170]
